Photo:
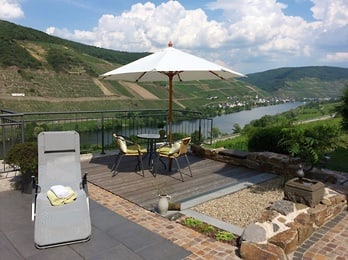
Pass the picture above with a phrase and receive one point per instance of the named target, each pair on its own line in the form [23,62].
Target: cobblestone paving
[201,246]
[327,243]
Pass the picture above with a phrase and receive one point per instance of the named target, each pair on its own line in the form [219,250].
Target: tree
[236,128]
[311,143]
[343,108]
[215,132]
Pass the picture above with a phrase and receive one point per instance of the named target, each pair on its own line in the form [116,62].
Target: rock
[275,227]
[299,206]
[287,240]
[303,219]
[252,251]
[338,199]
[304,230]
[282,219]
[320,214]
[267,215]
[325,201]
[284,207]
[254,233]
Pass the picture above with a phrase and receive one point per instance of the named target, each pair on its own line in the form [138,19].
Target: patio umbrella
[173,65]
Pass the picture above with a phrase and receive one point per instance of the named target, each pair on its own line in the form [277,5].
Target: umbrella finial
[170,44]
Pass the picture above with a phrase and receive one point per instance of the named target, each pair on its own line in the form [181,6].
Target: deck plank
[208,175]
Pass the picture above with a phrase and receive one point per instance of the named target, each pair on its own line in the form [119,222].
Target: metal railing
[96,127]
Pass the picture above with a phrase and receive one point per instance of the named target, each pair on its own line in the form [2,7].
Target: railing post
[200,131]
[102,133]
[211,131]
[3,139]
[22,130]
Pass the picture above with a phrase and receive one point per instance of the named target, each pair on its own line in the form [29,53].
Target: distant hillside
[14,52]
[301,81]
[40,72]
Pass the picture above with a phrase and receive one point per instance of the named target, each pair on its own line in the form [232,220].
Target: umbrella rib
[173,73]
[217,75]
[142,75]
[179,76]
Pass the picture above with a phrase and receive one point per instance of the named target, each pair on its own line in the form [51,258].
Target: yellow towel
[56,201]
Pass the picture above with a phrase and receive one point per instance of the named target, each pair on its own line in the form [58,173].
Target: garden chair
[128,148]
[175,151]
[60,219]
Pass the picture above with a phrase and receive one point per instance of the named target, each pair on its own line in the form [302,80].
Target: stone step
[225,190]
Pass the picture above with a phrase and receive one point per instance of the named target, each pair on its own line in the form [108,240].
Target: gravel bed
[244,207]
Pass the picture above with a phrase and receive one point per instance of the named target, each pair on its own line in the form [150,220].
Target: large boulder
[252,251]
[287,240]
[254,233]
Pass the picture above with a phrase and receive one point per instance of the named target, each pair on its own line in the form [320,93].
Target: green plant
[206,228]
[343,108]
[25,156]
[265,139]
[224,236]
[192,222]
[311,142]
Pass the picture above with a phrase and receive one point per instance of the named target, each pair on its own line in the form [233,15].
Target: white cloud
[337,57]
[250,36]
[332,13]
[10,9]
[146,27]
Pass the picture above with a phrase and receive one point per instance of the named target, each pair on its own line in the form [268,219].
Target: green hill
[15,48]
[40,72]
[301,82]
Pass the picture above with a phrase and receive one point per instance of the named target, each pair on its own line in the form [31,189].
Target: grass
[338,160]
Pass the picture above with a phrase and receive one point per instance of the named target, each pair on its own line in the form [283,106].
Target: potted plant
[24,156]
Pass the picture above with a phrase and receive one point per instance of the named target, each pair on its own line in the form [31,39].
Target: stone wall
[285,225]
[262,161]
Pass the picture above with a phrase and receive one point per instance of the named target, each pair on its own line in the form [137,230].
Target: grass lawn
[338,160]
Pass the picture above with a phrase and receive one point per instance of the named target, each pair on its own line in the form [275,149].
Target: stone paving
[201,246]
[328,242]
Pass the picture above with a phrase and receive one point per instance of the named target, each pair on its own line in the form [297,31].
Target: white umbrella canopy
[173,65]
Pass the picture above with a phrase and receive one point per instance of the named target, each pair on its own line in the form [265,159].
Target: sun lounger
[61,216]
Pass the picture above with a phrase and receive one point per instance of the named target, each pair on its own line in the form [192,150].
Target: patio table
[152,139]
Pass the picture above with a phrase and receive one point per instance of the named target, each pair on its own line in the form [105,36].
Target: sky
[244,35]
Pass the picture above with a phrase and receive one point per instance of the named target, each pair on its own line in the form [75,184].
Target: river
[225,122]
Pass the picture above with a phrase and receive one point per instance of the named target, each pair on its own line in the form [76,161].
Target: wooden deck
[208,175]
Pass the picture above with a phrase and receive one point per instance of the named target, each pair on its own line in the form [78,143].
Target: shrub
[266,139]
[311,142]
[25,156]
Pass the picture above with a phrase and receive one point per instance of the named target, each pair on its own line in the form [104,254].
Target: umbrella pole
[170,113]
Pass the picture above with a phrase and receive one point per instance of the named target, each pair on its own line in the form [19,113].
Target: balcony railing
[96,127]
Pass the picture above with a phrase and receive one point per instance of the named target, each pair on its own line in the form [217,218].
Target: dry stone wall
[262,161]
[285,225]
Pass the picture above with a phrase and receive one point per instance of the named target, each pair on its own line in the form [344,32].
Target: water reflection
[224,123]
